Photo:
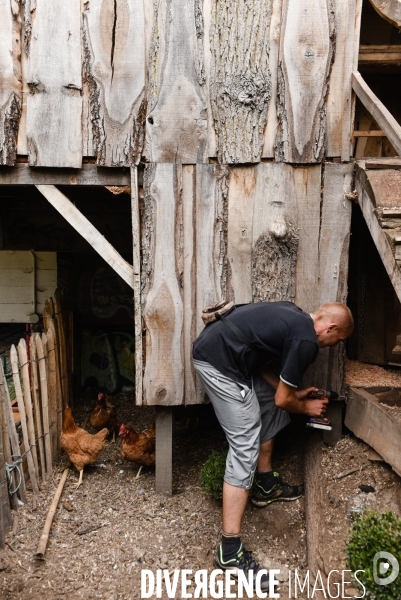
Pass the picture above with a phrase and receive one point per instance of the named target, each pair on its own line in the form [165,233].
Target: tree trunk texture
[307,47]
[176,124]
[240,85]
[10,80]
[339,100]
[52,41]
[389,10]
[162,302]
[114,62]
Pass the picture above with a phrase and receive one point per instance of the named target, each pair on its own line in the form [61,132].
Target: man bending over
[251,402]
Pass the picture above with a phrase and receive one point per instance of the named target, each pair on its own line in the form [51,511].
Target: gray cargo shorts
[248,416]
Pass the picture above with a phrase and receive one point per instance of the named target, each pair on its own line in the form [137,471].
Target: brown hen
[82,447]
[104,414]
[138,447]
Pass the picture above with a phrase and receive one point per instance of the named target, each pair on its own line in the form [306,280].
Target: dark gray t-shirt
[281,331]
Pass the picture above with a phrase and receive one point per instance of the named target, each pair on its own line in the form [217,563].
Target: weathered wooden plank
[274,47]
[36,405]
[379,55]
[306,53]
[389,10]
[13,436]
[368,420]
[10,80]
[176,123]
[379,112]
[241,192]
[7,452]
[40,341]
[367,202]
[339,105]
[383,163]
[162,306]
[23,174]
[21,408]
[211,237]
[164,450]
[240,84]
[114,59]
[188,187]
[136,261]
[275,234]
[24,371]
[88,231]
[206,14]
[307,185]
[5,512]
[55,85]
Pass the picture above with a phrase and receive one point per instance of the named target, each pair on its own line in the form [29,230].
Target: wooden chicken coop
[232,125]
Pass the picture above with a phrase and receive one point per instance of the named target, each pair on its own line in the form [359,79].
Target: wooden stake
[49,323]
[5,513]
[36,405]
[45,401]
[12,434]
[62,349]
[7,449]
[25,437]
[50,515]
[52,391]
[24,368]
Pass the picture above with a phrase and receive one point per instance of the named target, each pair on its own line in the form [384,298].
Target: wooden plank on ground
[114,60]
[164,450]
[368,420]
[10,80]
[89,174]
[81,224]
[55,85]
[306,50]
[379,112]
[314,507]
[366,200]
[162,306]
[176,123]
[240,85]
[339,100]
[136,261]
[389,10]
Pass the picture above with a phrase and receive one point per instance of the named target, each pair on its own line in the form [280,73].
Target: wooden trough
[367,417]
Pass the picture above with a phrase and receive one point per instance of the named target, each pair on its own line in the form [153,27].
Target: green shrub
[212,474]
[372,533]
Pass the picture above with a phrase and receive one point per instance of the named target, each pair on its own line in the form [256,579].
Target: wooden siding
[177,81]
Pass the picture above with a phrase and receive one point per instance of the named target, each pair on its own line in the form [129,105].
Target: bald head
[333,322]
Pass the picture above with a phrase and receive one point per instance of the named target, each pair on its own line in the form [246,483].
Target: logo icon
[382,563]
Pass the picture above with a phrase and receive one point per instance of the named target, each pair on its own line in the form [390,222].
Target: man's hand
[315,408]
[291,400]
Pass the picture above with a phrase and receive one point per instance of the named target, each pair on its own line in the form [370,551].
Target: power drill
[322,422]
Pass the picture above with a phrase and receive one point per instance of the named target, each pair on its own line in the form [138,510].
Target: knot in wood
[309,54]
[251,90]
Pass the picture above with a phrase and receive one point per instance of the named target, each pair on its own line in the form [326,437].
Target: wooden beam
[85,228]
[164,450]
[379,55]
[368,420]
[371,133]
[379,237]
[383,163]
[89,174]
[379,112]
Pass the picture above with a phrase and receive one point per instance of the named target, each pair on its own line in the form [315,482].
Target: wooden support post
[164,450]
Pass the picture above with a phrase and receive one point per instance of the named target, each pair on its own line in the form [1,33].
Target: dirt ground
[114,525]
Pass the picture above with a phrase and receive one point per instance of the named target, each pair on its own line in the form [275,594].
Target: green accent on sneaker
[242,561]
[280,491]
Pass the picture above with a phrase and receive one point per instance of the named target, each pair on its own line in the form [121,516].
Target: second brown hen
[139,448]
[104,414]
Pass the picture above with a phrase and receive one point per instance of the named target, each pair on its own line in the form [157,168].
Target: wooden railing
[385,120]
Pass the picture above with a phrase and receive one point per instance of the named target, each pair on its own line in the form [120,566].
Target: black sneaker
[242,561]
[279,491]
